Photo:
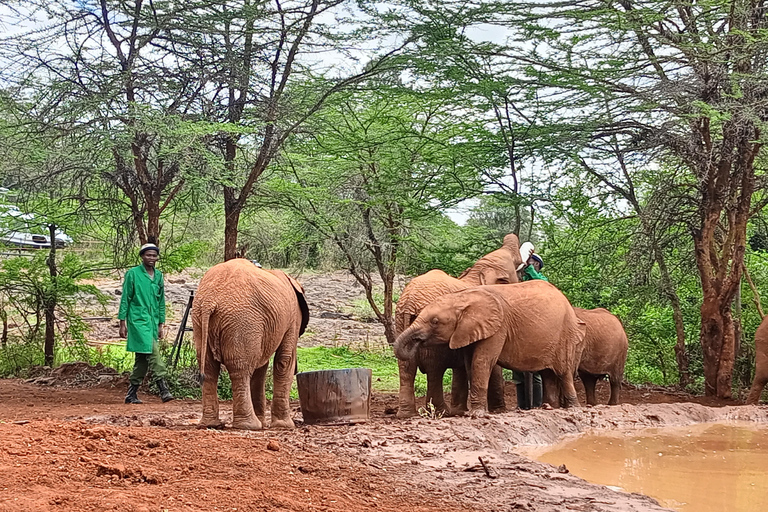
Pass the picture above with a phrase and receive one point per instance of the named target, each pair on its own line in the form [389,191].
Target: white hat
[148,247]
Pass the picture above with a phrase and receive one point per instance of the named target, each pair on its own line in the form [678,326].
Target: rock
[110,469]
[118,292]
[273,445]
[562,469]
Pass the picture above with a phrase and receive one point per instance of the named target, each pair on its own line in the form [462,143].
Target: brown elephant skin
[497,267]
[241,316]
[528,326]
[761,363]
[604,353]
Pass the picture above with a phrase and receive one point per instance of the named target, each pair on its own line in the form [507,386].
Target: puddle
[702,468]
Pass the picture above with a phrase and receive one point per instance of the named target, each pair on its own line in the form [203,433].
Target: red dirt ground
[52,457]
[48,462]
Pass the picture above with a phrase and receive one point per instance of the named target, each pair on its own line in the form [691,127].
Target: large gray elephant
[527,327]
[241,316]
[497,267]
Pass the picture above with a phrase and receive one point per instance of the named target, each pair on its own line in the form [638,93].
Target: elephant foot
[498,409]
[478,413]
[286,424]
[403,413]
[210,423]
[253,424]
[456,412]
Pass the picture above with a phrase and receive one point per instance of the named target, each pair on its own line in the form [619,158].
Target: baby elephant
[241,316]
[605,352]
[526,327]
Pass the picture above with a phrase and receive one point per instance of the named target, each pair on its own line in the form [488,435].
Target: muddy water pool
[704,468]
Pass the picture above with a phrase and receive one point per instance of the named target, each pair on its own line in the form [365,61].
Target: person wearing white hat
[142,321]
[530,387]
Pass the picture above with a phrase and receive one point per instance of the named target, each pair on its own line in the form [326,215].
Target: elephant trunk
[407,343]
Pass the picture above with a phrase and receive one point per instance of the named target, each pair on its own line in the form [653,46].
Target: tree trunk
[232,210]
[50,300]
[153,220]
[4,318]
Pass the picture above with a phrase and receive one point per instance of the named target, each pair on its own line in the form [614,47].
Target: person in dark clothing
[530,380]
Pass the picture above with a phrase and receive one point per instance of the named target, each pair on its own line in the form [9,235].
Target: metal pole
[179,341]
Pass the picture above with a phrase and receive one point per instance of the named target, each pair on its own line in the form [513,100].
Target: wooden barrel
[335,397]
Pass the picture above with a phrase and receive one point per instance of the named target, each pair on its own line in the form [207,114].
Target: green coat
[142,306]
[530,274]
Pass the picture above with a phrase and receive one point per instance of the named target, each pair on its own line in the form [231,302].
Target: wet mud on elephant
[241,316]
[497,267]
[527,326]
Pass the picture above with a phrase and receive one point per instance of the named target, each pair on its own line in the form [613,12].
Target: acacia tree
[683,83]
[101,70]
[370,174]
[256,56]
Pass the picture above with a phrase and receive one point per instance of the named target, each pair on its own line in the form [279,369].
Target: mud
[707,467]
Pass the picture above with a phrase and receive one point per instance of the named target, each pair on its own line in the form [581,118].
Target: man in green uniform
[527,382]
[142,321]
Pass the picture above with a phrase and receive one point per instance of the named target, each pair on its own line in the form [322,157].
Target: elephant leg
[589,381]
[282,371]
[258,395]
[551,387]
[459,390]
[210,417]
[243,416]
[615,389]
[435,391]
[407,395]
[568,389]
[484,359]
[757,389]
[496,402]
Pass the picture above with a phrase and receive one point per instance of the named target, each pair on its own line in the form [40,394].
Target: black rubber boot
[131,397]
[165,393]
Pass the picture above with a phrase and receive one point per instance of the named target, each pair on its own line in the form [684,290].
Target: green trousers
[153,361]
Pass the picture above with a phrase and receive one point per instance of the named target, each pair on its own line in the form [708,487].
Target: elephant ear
[480,315]
[299,290]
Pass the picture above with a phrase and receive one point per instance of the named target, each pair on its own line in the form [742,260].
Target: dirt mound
[77,374]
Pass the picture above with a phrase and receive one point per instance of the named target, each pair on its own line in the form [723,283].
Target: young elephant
[761,363]
[497,267]
[240,317]
[525,327]
[605,352]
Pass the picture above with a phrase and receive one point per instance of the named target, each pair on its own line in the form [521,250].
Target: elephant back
[420,292]
[605,341]
[230,290]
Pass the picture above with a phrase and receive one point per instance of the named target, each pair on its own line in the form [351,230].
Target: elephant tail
[204,318]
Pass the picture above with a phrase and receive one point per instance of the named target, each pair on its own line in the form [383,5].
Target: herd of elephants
[476,324]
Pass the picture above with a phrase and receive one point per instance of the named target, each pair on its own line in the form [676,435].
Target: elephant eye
[435,320]
[503,280]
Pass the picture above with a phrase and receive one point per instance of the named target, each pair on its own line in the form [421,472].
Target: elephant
[604,352]
[528,327]
[499,266]
[761,363]
[241,316]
